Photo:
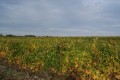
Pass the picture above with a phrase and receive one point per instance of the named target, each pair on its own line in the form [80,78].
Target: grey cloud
[60,17]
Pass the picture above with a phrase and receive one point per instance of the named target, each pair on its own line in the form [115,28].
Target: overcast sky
[60,17]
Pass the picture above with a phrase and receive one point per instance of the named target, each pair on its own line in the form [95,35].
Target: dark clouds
[60,17]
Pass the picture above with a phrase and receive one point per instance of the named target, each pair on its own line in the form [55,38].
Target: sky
[60,17]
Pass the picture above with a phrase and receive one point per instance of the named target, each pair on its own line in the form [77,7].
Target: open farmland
[72,58]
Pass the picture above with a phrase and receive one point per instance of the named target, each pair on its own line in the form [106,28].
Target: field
[74,58]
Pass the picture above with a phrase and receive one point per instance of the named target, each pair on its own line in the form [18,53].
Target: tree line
[12,35]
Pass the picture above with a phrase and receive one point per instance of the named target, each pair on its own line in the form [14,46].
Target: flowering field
[81,58]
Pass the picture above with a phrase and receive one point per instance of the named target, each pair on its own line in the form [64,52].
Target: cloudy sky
[60,17]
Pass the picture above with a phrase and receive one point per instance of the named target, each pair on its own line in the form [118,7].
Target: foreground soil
[11,74]
[7,73]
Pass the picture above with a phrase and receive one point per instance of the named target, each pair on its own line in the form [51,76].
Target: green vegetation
[85,57]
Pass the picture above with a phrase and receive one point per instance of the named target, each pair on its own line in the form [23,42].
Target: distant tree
[1,34]
[29,35]
[10,35]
